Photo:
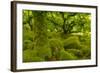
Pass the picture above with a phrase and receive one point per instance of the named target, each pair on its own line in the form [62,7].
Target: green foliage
[54,36]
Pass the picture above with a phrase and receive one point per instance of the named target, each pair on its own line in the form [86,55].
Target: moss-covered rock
[31,56]
[44,52]
[86,52]
[72,42]
[55,43]
[64,55]
[78,53]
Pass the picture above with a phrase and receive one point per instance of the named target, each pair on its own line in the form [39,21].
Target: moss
[27,44]
[86,52]
[76,52]
[64,55]
[44,52]
[27,34]
[86,40]
[37,59]
[72,42]
[54,34]
[31,56]
[55,43]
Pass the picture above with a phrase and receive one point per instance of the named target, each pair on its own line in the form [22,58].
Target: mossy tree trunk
[40,32]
